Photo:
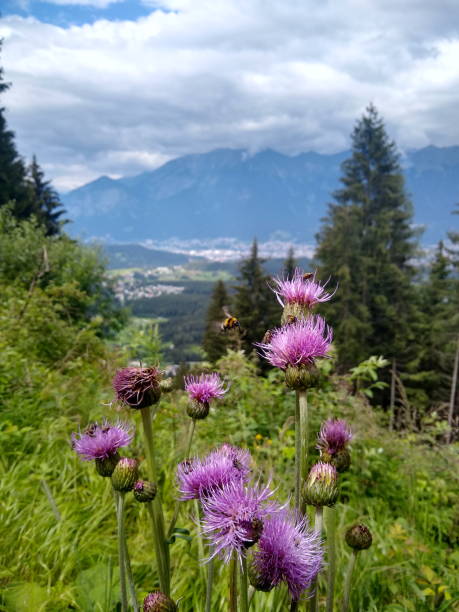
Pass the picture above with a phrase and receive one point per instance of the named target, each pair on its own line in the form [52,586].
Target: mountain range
[228,192]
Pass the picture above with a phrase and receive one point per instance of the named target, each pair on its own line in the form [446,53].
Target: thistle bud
[145,491]
[106,465]
[158,602]
[321,486]
[197,410]
[301,377]
[260,580]
[138,387]
[125,474]
[358,537]
[294,311]
[341,460]
[166,385]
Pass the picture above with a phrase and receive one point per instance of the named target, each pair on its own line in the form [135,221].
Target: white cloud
[118,97]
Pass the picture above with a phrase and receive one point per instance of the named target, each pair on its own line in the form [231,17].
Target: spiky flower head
[287,551]
[321,485]
[233,517]
[201,391]
[101,443]
[125,474]
[295,347]
[158,602]
[145,491]
[198,478]
[334,436]
[138,387]
[358,537]
[299,294]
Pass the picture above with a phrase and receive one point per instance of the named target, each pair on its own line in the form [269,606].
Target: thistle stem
[121,551]
[298,453]
[177,503]
[244,586]
[233,584]
[331,545]
[347,580]
[304,430]
[130,578]
[159,557]
[210,584]
[190,437]
[161,547]
[313,602]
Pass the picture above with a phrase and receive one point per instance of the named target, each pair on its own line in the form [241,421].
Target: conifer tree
[216,342]
[366,244]
[13,188]
[290,264]
[254,303]
[24,189]
[45,199]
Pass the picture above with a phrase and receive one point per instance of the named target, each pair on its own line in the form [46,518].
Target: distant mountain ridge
[228,192]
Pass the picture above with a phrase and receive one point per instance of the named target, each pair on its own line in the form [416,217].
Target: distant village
[134,285]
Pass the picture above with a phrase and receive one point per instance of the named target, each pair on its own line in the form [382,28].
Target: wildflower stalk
[130,577]
[347,581]
[302,400]
[159,557]
[331,545]
[318,522]
[244,585]
[190,437]
[298,453]
[233,584]
[177,503]
[210,584]
[162,551]
[121,551]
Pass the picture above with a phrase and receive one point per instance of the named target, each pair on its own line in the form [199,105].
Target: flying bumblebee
[230,322]
[307,275]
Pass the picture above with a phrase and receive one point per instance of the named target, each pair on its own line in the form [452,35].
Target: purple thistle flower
[287,551]
[298,290]
[198,478]
[205,387]
[299,343]
[233,517]
[334,435]
[101,441]
[138,387]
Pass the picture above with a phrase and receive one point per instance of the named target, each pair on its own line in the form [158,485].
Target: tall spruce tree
[25,190]
[290,264]
[366,243]
[45,199]
[216,342]
[254,303]
[13,189]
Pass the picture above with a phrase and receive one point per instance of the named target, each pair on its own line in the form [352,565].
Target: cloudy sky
[117,87]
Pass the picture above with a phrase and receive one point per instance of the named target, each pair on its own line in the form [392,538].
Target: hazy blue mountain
[228,192]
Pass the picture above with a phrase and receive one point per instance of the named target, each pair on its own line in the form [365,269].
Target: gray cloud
[120,97]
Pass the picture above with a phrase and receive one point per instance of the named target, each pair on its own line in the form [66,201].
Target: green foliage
[140,338]
[365,375]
